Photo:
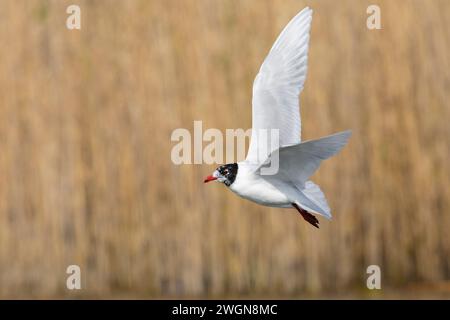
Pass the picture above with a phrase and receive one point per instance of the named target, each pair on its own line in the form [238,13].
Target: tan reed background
[86,176]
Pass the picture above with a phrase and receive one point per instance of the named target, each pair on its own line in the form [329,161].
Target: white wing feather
[277,87]
[298,162]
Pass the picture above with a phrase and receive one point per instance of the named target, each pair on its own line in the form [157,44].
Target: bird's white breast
[253,187]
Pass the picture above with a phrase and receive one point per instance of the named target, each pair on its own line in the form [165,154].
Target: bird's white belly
[260,191]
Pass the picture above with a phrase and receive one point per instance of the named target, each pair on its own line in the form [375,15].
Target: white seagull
[275,103]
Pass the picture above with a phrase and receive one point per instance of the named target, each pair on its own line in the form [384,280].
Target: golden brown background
[86,176]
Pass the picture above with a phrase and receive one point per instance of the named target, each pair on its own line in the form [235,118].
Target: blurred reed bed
[85,124]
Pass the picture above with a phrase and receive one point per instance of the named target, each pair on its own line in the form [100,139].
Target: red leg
[307,216]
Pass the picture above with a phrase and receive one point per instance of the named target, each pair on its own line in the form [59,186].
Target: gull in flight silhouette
[275,106]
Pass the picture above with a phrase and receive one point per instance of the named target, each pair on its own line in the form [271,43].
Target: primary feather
[277,87]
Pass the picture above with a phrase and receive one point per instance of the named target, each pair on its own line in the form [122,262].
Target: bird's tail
[311,198]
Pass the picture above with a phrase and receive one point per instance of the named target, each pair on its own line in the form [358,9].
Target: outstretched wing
[298,162]
[277,87]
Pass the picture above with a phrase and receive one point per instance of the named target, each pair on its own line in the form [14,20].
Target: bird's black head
[226,174]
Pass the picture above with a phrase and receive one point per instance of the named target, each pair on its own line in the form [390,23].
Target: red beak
[209,178]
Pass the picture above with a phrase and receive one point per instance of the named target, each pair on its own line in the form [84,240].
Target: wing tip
[308,9]
[346,134]
[306,13]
